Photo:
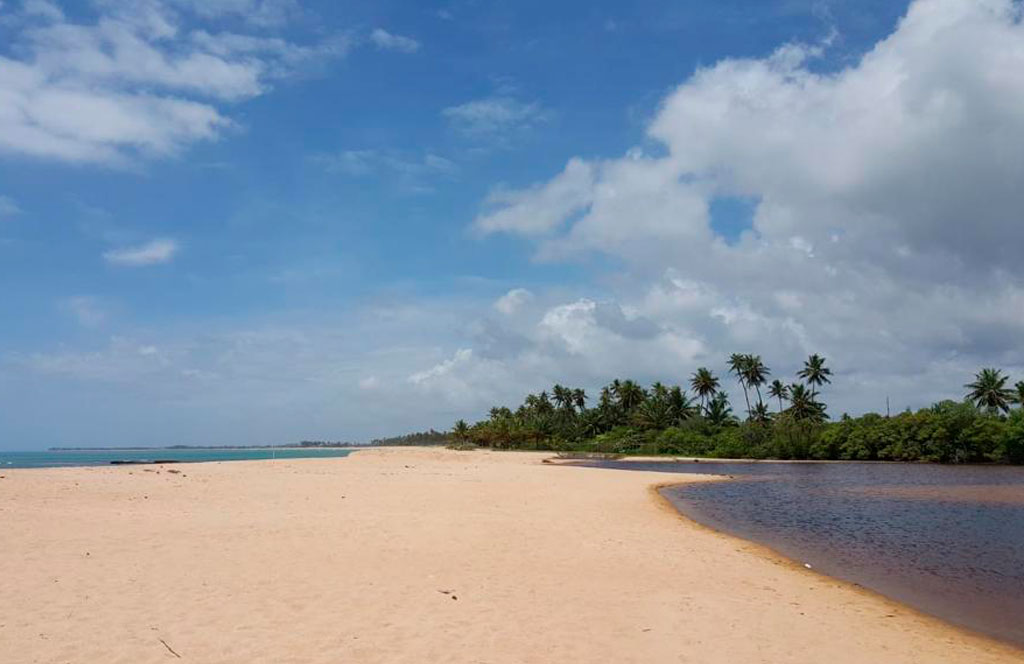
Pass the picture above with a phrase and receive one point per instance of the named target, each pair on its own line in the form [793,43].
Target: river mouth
[946,540]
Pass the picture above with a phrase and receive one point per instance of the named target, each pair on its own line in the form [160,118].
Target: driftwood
[170,649]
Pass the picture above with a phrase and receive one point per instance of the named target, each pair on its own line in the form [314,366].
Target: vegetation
[419,438]
[782,421]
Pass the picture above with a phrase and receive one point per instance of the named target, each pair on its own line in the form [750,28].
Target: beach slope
[414,555]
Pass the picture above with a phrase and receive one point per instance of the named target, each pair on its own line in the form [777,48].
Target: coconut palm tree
[579,399]
[719,410]
[562,397]
[460,431]
[778,390]
[989,392]
[1018,389]
[630,395]
[756,374]
[815,373]
[760,413]
[680,405]
[738,364]
[802,405]
[705,385]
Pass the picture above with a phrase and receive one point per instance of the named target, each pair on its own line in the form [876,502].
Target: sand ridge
[413,555]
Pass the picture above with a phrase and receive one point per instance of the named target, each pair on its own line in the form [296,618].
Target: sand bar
[413,555]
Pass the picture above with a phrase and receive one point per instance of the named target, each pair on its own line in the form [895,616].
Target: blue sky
[260,221]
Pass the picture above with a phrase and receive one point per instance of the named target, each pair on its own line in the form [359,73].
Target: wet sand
[413,555]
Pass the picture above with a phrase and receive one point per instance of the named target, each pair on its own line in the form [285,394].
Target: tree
[738,364]
[1019,393]
[680,405]
[778,390]
[562,397]
[803,406]
[760,413]
[579,399]
[705,384]
[461,431]
[988,392]
[815,373]
[630,395]
[719,410]
[756,374]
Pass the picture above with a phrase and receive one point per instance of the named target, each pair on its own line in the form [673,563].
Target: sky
[263,221]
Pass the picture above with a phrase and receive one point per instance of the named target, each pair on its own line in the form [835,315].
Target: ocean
[68,458]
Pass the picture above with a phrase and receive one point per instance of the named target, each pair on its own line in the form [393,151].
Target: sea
[69,458]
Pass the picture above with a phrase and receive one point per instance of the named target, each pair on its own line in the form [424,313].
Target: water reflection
[948,540]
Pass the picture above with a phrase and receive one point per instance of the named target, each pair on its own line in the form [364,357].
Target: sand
[413,555]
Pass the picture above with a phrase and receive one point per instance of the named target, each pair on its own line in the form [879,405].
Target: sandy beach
[414,555]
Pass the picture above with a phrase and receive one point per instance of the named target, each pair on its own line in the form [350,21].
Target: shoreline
[207,563]
[777,557]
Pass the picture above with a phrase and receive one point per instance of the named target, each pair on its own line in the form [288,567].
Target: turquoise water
[57,459]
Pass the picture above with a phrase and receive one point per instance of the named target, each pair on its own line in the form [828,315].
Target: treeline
[782,421]
[431,437]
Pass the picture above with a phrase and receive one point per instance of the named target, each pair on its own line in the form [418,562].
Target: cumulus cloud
[139,82]
[495,117]
[512,301]
[154,252]
[387,41]
[887,215]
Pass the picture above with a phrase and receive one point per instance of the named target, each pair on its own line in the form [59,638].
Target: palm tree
[1019,392]
[705,384]
[460,431]
[719,410]
[679,404]
[563,397]
[630,395]
[760,413]
[815,373]
[738,364]
[778,390]
[802,405]
[579,399]
[989,391]
[653,414]
[756,374]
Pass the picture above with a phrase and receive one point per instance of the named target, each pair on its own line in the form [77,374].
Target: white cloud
[495,117]
[543,207]
[8,208]
[885,233]
[139,83]
[512,301]
[154,252]
[86,309]
[413,173]
[387,41]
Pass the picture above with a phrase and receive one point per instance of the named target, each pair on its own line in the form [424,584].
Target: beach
[415,555]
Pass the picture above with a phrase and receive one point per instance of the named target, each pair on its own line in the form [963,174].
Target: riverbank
[411,555]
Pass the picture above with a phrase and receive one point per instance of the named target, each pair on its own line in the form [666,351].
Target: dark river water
[948,540]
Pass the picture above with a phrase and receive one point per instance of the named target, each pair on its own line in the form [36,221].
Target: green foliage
[663,419]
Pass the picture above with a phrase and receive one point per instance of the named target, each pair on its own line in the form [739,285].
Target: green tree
[755,373]
[719,410]
[460,431]
[815,373]
[1018,393]
[738,365]
[803,406]
[705,385]
[778,390]
[989,392]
